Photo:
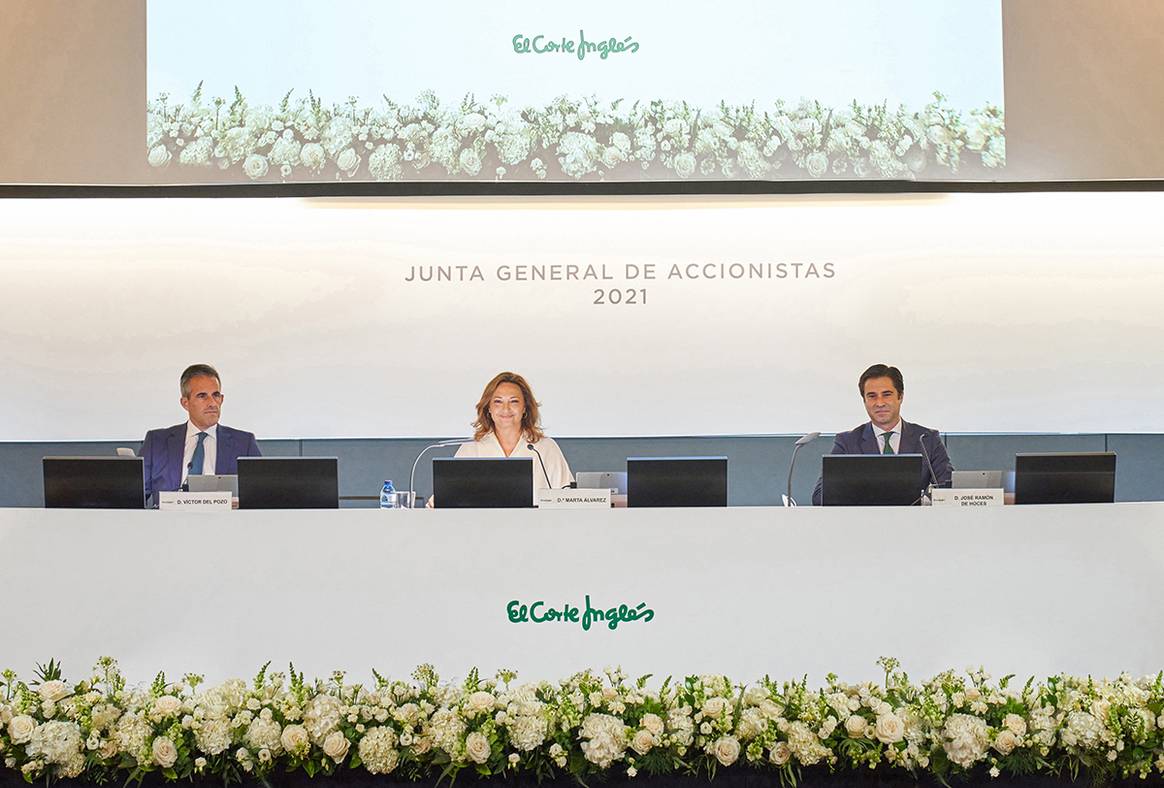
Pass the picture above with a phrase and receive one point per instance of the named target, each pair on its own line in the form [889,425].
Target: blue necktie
[199,457]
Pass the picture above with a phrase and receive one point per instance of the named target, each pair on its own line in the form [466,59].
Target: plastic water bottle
[388,495]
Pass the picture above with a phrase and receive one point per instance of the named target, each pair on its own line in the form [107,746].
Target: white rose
[335,746]
[714,707]
[727,750]
[780,753]
[889,729]
[255,166]
[52,691]
[295,740]
[313,156]
[642,742]
[653,723]
[348,161]
[167,705]
[855,726]
[159,156]
[20,728]
[1005,742]
[477,747]
[1015,724]
[480,701]
[165,753]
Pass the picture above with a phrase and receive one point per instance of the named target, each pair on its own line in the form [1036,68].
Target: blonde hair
[531,425]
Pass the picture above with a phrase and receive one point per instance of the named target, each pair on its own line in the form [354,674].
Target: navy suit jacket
[163,451]
[860,440]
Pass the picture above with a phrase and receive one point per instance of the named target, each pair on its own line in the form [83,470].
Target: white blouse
[556,466]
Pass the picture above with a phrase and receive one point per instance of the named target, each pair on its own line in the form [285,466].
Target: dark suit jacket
[860,440]
[164,449]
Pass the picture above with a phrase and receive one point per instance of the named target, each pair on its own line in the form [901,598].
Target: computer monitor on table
[871,479]
[676,481]
[93,483]
[482,482]
[1058,477]
[288,483]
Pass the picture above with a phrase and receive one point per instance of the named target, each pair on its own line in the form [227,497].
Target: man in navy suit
[199,446]
[882,389]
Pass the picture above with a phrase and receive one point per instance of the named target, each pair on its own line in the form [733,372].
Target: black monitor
[482,482]
[1060,477]
[676,481]
[288,483]
[94,483]
[871,479]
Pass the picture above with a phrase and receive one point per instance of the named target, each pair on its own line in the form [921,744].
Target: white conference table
[741,591]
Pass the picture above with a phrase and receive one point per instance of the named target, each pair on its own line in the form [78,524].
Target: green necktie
[888,449]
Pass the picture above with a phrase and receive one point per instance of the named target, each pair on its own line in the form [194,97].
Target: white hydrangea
[578,154]
[213,736]
[59,743]
[965,738]
[133,733]
[264,734]
[604,739]
[804,744]
[447,730]
[384,163]
[197,153]
[1082,731]
[378,750]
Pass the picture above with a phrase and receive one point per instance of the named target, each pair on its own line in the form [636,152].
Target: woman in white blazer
[508,423]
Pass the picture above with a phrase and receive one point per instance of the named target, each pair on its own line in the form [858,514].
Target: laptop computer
[871,479]
[676,481]
[1063,477]
[482,482]
[93,483]
[601,480]
[288,483]
[213,482]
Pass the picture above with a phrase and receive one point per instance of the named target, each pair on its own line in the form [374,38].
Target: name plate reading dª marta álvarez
[574,499]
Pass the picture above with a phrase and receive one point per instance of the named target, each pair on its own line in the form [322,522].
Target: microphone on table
[929,466]
[424,451]
[185,486]
[530,446]
[807,439]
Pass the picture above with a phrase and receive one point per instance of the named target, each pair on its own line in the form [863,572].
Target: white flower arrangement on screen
[570,139]
[588,725]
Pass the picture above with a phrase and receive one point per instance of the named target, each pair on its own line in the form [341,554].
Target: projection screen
[298,90]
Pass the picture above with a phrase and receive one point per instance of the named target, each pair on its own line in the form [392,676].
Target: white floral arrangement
[590,724]
[570,139]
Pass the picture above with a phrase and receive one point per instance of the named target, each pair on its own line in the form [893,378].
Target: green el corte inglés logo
[586,615]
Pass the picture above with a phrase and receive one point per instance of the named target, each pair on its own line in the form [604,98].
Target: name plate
[194,501]
[968,497]
[574,499]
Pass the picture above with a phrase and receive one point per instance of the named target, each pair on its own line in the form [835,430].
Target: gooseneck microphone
[530,446]
[807,439]
[929,466]
[424,451]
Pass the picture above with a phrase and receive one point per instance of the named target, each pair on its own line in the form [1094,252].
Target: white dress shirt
[209,449]
[556,466]
[894,441]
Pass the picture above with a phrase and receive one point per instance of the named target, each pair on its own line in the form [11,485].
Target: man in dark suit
[199,446]
[882,389]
